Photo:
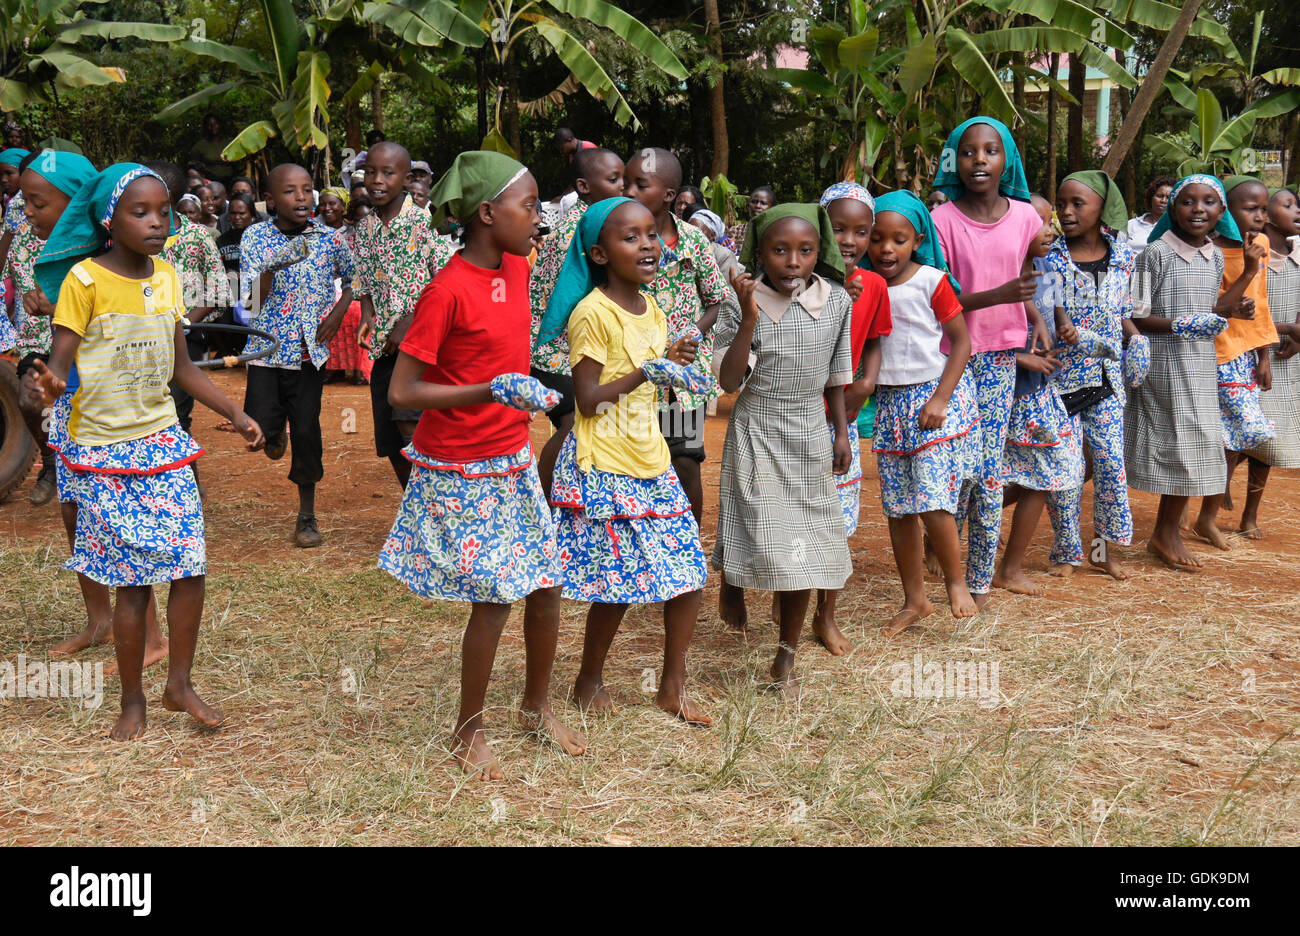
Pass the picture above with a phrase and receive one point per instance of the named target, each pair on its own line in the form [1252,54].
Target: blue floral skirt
[473,531]
[139,516]
[1035,464]
[8,334]
[64,477]
[623,540]
[923,469]
[1244,424]
[850,485]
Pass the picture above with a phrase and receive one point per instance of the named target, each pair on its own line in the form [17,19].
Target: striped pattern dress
[1173,437]
[1282,403]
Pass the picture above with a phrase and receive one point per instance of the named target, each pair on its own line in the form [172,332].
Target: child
[1043,452]
[1089,270]
[852,211]
[1173,436]
[760,199]
[473,525]
[780,526]
[139,519]
[289,264]
[1280,402]
[397,252]
[596,174]
[624,527]
[690,290]
[986,231]
[12,199]
[925,404]
[1242,349]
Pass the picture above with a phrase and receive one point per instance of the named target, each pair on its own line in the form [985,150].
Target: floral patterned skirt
[923,469]
[850,485]
[1037,465]
[1244,424]
[624,540]
[8,334]
[345,353]
[474,531]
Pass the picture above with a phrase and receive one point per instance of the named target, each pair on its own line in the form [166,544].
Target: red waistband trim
[924,447]
[140,472]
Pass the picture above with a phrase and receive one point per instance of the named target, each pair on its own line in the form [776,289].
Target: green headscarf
[930,253]
[13,156]
[578,275]
[1232,181]
[1114,213]
[67,172]
[830,263]
[1012,184]
[82,229]
[475,177]
[1227,226]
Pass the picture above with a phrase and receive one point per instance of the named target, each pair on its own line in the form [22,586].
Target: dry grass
[1161,711]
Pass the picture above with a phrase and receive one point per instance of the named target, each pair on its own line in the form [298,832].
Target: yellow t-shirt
[127,351]
[624,438]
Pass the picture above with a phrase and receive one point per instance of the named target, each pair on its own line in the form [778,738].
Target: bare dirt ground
[1161,710]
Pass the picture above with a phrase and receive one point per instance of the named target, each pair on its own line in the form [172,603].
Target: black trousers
[276,395]
[389,439]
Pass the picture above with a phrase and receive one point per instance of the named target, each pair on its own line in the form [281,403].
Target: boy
[421,181]
[690,290]
[596,174]
[397,252]
[288,266]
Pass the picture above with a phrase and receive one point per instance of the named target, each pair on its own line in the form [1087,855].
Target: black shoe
[44,488]
[275,447]
[306,535]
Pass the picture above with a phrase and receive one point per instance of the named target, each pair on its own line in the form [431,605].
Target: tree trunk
[377,106]
[1018,81]
[1074,122]
[510,103]
[1053,107]
[1128,170]
[480,72]
[1151,86]
[717,100]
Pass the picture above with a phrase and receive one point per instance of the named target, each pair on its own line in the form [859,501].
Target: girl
[1043,452]
[625,530]
[1281,401]
[12,201]
[925,404]
[986,231]
[473,525]
[189,206]
[780,526]
[852,211]
[1154,199]
[1090,269]
[1173,436]
[207,197]
[1242,349]
[139,519]
[241,212]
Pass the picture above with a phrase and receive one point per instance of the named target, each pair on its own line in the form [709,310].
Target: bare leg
[550,452]
[731,606]
[589,691]
[541,631]
[688,472]
[680,615]
[1166,542]
[1011,574]
[905,537]
[794,608]
[1234,458]
[941,528]
[155,646]
[184,613]
[1207,526]
[824,626]
[128,644]
[478,653]
[1256,480]
[99,603]
[1102,558]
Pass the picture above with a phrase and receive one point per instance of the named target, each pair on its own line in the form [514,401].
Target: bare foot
[152,655]
[1227,501]
[592,698]
[787,687]
[1250,528]
[679,705]
[1209,531]
[783,678]
[546,724]
[475,756]
[1184,523]
[963,605]
[980,599]
[183,698]
[90,636]
[1017,583]
[1061,570]
[828,633]
[731,607]
[1111,567]
[912,613]
[1175,556]
[776,609]
[130,724]
[932,564]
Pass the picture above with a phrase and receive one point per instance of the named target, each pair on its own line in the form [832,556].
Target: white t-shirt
[1139,229]
[910,352]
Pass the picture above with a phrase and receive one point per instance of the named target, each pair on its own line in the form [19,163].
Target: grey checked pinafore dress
[1173,437]
[1282,403]
[780,527]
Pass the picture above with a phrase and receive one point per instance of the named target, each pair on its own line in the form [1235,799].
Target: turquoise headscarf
[930,253]
[13,156]
[1012,184]
[67,172]
[82,229]
[578,275]
[1226,227]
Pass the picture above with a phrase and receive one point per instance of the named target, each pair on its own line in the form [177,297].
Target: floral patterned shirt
[35,332]
[15,219]
[689,281]
[552,357]
[194,254]
[1099,307]
[394,262]
[301,294]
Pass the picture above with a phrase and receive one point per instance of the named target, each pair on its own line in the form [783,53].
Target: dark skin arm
[708,319]
[856,393]
[409,390]
[590,394]
[1233,303]
[841,454]
[327,329]
[935,410]
[732,373]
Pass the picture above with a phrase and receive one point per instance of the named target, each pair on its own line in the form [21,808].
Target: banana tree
[43,48]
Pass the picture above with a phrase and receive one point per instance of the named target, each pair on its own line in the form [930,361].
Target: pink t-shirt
[984,256]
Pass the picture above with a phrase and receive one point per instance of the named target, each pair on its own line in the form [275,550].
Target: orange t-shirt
[1244,335]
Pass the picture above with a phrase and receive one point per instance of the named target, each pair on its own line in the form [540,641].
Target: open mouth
[979,175]
[648,263]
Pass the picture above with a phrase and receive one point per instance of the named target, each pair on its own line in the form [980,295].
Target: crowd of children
[1015,346]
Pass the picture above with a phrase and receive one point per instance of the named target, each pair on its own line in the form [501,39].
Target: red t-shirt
[870,313]
[471,325]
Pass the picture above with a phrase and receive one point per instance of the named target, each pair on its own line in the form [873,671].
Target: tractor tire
[17,447]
